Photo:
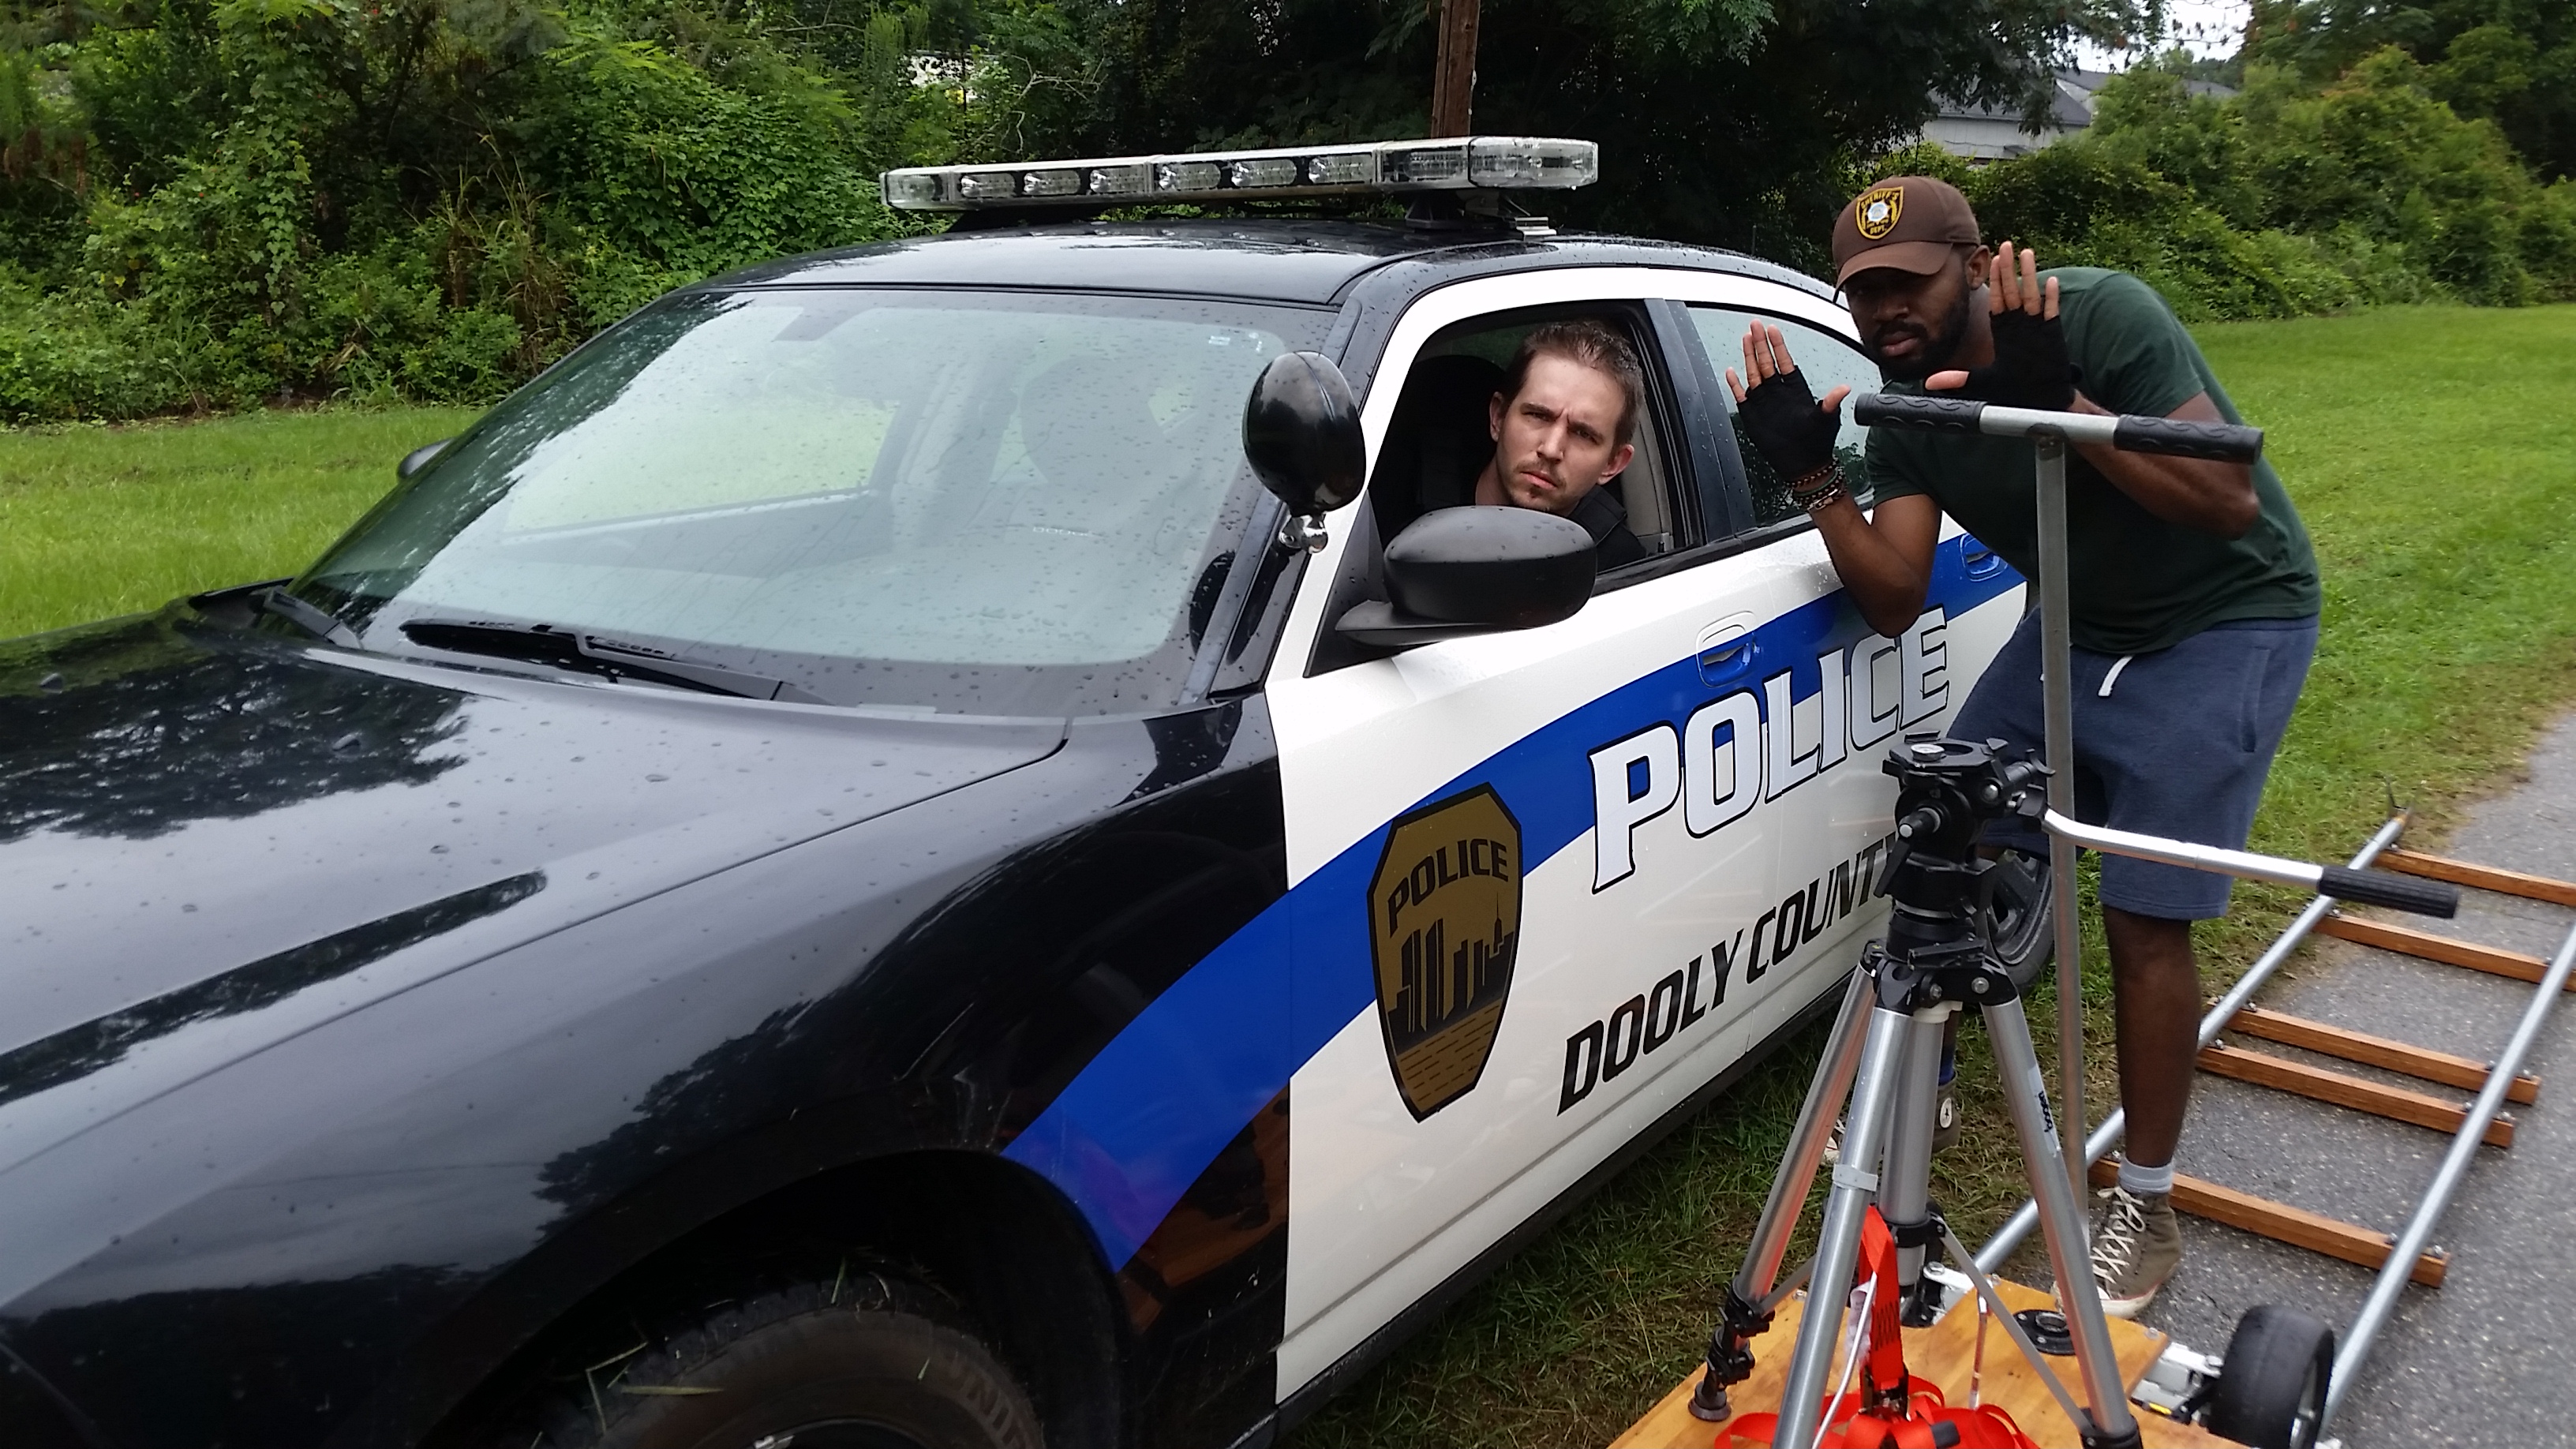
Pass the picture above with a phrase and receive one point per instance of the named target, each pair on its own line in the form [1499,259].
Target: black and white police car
[837,871]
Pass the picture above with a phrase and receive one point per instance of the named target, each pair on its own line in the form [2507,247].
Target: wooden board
[2483,877]
[2342,1089]
[1943,1354]
[2407,941]
[2378,1051]
[2283,1223]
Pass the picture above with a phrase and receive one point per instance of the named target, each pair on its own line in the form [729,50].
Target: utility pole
[1453,81]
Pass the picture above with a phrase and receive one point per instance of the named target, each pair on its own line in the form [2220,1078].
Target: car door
[1549,884]
[1890,685]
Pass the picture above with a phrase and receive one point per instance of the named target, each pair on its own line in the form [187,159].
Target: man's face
[1555,442]
[1911,323]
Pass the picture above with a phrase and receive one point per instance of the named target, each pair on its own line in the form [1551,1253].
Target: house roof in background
[2070,105]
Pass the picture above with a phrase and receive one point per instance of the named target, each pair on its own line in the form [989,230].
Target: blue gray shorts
[2174,743]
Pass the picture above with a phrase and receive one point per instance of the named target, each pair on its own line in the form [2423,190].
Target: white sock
[2146,1181]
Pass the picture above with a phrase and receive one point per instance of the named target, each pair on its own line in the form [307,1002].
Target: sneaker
[2137,1244]
[1945,1125]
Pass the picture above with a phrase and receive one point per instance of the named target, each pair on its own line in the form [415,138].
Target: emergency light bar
[1455,163]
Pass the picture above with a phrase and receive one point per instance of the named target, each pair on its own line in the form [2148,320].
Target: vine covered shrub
[254,200]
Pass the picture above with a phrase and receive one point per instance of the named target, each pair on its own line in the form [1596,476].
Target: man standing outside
[2194,588]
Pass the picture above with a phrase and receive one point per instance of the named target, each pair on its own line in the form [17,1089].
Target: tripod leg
[1825,1098]
[2061,1223]
[1744,1314]
[1874,1091]
[1905,1189]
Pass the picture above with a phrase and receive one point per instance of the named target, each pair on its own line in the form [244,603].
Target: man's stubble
[1938,349]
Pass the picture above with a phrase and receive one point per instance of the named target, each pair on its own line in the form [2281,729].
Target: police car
[837,870]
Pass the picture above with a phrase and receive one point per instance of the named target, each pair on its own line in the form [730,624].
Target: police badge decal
[1444,923]
[1876,213]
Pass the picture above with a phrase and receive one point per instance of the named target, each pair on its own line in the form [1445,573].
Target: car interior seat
[1437,442]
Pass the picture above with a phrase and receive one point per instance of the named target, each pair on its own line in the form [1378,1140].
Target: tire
[874,1363]
[2019,919]
[2272,1390]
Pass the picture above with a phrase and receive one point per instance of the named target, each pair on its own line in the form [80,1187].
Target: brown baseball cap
[1910,223]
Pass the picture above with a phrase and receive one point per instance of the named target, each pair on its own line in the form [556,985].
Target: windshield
[988,503]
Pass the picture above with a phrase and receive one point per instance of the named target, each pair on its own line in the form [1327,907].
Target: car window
[1440,437]
[993,503]
[1829,361]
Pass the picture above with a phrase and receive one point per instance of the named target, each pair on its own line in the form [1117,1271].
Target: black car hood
[209,839]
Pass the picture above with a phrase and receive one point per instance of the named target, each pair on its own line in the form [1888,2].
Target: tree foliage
[211,203]
[2288,198]
[2509,61]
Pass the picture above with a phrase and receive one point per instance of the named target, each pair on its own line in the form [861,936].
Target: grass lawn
[2431,450]
[2433,453]
[100,521]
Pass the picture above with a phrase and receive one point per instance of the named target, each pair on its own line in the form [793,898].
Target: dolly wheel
[2272,1391]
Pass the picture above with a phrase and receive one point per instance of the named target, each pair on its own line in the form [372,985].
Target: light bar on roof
[1455,163]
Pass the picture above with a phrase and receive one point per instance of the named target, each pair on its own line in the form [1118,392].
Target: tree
[2509,61]
[1729,121]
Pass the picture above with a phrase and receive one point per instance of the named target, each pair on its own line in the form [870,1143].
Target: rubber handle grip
[2399,892]
[1940,414]
[2224,442]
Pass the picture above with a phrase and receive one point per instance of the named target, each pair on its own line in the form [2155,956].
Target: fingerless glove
[2031,368]
[1793,434]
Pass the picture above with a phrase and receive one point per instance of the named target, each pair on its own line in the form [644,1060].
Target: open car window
[1440,436]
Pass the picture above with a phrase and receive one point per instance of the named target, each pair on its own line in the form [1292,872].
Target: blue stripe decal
[1138,1125]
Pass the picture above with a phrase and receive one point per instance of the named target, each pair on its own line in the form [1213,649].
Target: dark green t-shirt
[2139,583]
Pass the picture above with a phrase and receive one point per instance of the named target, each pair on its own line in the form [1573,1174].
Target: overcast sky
[2205,27]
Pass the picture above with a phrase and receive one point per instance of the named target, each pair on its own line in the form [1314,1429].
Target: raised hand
[1793,432]
[2031,367]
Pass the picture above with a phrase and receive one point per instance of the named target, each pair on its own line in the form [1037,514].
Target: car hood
[210,838]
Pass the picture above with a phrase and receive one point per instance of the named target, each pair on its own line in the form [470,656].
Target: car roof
[1315,263]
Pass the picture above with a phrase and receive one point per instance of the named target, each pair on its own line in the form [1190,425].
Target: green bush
[2286,199]
[211,204]
[423,199]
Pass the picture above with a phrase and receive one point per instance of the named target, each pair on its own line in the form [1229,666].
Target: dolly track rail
[2446,1182]
[2099,1145]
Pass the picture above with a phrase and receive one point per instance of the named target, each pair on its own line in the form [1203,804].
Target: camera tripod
[1935,961]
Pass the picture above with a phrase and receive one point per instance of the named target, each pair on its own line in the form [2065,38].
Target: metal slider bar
[2455,1167]
[1996,420]
[2099,1145]
[2242,863]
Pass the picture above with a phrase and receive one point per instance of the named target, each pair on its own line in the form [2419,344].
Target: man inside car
[1564,424]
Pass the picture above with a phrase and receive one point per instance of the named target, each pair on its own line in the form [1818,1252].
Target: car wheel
[2020,915]
[875,1363]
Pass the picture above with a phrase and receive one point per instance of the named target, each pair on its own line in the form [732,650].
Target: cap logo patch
[1876,212]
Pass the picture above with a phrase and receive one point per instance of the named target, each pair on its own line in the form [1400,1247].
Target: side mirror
[1301,433]
[1472,570]
[419,458]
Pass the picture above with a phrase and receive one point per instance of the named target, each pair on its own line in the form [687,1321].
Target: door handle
[1981,562]
[1727,651]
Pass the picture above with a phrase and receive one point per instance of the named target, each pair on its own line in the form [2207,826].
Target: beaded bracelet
[1820,495]
[1825,497]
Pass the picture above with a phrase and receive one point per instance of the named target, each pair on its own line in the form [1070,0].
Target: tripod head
[1947,789]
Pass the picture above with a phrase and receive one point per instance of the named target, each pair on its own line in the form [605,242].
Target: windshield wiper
[320,623]
[597,654]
